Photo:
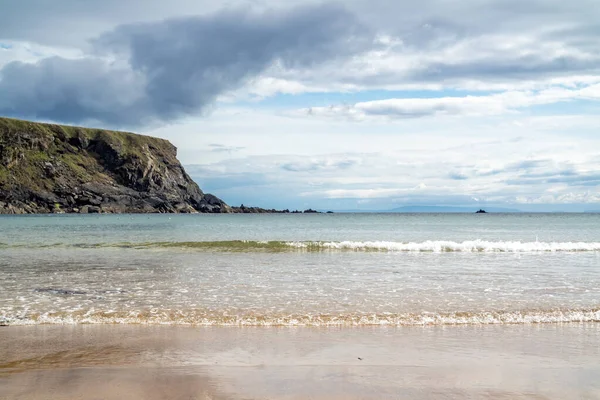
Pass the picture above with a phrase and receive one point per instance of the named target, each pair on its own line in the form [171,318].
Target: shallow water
[325,269]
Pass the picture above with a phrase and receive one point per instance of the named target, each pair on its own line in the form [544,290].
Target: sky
[349,105]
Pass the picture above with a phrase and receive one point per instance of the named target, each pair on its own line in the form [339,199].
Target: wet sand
[548,361]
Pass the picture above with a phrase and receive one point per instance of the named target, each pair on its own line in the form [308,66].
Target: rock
[90,210]
[96,201]
[49,169]
[80,141]
[91,170]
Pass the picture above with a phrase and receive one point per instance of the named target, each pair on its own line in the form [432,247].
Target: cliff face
[51,168]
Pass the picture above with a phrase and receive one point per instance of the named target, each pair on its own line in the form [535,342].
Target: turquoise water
[102,229]
[313,269]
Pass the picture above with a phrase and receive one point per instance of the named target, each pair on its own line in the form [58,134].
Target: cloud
[71,90]
[570,178]
[587,197]
[162,71]
[458,176]
[187,63]
[376,193]
[494,100]
[327,164]
[470,105]
[221,148]
[423,178]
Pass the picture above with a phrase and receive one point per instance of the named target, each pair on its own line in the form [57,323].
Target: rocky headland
[46,168]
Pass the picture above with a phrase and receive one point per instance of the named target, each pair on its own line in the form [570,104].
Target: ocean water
[300,269]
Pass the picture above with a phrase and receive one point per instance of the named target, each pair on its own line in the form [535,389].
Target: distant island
[481,211]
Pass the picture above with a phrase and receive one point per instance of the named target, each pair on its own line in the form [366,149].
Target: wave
[429,246]
[201,318]
[440,246]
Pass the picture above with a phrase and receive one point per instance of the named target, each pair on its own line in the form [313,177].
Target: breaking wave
[441,246]
[201,318]
[430,246]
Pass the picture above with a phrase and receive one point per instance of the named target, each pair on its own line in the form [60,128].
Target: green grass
[26,146]
[82,167]
[4,175]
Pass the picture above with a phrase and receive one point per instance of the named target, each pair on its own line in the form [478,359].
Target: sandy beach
[548,361]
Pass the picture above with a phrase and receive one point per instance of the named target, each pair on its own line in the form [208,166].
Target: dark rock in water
[48,168]
[311,211]
[481,212]
[242,209]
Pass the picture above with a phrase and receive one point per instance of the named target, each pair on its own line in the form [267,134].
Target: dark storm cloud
[71,91]
[176,67]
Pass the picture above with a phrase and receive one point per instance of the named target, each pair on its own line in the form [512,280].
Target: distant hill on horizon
[450,209]
[437,209]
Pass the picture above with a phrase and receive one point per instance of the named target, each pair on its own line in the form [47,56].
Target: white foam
[469,246]
[194,318]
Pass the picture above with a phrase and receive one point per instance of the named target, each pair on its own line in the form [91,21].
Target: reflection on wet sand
[79,357]
[142,362]
[108,384]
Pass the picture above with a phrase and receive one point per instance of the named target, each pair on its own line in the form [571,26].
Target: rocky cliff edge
[47,168]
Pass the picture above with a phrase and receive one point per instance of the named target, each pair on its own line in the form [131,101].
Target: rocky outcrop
[52,168]
[258,210]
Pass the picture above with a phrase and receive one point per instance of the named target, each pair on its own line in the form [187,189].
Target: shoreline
[195,319]
[552,361]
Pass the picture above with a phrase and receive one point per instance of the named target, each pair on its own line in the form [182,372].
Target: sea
[341,269]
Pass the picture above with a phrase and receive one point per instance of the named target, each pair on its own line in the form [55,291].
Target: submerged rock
[47,168]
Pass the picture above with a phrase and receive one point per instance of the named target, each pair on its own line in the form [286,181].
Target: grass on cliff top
[52,144]
[126,141]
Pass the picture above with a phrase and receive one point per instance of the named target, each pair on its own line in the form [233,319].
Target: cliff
[52,168]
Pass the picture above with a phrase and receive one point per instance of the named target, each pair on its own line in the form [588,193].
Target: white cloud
[565,198]
[11,50]
[475,71]
[470,105]
[411,162]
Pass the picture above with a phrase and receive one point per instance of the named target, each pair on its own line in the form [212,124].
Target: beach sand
[548,361]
